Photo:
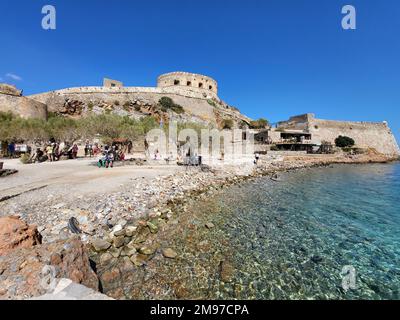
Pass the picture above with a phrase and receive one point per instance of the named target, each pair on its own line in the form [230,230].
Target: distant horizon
[272,59]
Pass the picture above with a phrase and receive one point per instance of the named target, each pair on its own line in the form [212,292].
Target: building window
[200,85]
[176,82]
[188,83]
[210,87]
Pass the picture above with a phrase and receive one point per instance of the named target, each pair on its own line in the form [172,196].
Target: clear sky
[272,58]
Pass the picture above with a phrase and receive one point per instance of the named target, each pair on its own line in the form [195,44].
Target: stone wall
[365,134]
[375,135]
[23,106]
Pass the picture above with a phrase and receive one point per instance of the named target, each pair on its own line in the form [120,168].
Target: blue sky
[272,58]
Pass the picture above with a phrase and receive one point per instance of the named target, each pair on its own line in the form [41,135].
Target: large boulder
[15,233]
[32,272]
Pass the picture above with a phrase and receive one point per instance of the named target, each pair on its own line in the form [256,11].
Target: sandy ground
[79,177]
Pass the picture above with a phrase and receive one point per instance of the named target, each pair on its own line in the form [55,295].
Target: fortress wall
[23,106]
[125,90]
[365,134]
[194,104]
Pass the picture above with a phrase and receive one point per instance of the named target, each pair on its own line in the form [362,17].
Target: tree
[259,124]
[344,141]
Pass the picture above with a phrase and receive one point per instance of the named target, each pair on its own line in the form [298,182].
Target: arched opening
[176,82]
[200,85]
[210,87]
[189,83]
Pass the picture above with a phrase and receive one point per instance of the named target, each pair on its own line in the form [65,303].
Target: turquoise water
[291,239]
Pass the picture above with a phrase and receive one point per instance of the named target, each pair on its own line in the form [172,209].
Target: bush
[116,102]
[168,104]
[343,142]
[90,106]
[127,106]
[211,103]
[274,148]
[259,124]
[227,124]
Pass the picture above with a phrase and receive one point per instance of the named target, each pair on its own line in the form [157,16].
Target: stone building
[304,132]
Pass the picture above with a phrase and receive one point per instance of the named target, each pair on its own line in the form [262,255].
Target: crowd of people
[54,151]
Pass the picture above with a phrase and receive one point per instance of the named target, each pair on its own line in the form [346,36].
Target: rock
[147,250]
[169,253]
[119,241]
[316,259]
[139,259]
[44,265]
[122,223]
[153,227]
[226,271]
[126,251]
[100,244]
[210,225]
[105,257]
[130,231]
[119,233]
[15,233]
[115,252]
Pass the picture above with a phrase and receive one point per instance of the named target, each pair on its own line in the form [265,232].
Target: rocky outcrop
[15,233]
[32,272]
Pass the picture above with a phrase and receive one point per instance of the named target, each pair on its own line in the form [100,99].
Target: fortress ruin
[198,96]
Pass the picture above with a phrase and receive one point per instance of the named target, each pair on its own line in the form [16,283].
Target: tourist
[87,148]
[109,156]
[121,155]
[49,152]
[75,151]
[11,150]
[37,156]
[56,152]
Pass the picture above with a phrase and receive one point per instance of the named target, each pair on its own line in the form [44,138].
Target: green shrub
[211,103]
[343,142]
[167,103]
[274,148]
[90,106]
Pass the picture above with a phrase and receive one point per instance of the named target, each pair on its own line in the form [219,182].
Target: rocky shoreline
[127,231]
[123,254]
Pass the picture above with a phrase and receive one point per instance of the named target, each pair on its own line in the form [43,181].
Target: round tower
[189,81]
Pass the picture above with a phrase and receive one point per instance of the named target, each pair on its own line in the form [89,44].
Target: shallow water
[291,239]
